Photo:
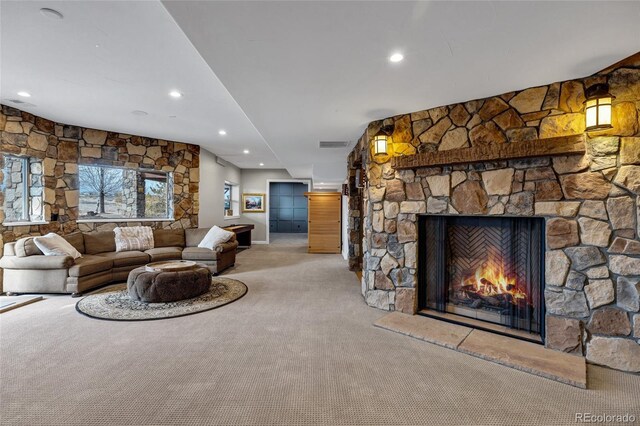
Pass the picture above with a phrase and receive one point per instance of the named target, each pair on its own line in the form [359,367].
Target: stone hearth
[590,203]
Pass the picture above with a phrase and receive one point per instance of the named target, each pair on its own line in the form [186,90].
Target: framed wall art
[253,203]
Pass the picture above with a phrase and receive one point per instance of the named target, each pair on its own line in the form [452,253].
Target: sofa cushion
[99,242]
[164,253]
[194,236]
[126,258]
[10,249]
[90,264]
[168,238]
[37,262]
[53,244]
[76,240]
[27,247]
[130,238]
[198,253]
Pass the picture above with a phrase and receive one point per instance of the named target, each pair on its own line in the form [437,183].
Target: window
[156,195]
[231,199]
[119,193]
[227,197]
[22,189]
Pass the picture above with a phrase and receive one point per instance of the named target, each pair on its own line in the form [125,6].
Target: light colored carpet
[8,303]
[299,348]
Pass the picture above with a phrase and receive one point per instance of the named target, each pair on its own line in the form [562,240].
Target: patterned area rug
[114,303]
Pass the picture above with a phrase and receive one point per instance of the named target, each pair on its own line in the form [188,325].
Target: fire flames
[490,280]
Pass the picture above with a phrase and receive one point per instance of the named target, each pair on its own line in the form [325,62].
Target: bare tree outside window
[120,193]
[102,183]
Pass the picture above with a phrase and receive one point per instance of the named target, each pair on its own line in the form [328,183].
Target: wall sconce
[598,107]
[380,140]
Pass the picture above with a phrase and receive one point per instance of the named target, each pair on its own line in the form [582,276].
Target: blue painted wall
[287,207]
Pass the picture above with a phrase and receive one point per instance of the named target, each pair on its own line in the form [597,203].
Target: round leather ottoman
[157,286]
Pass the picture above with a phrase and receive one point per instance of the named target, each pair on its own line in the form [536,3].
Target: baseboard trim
[259,242]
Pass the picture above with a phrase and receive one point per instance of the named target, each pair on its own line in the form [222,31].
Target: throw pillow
[26,247]
[133,238]
[215,237]
[54,245]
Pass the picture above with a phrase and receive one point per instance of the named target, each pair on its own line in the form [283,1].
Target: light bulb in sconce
[380,144]
[598,107]
[381,140]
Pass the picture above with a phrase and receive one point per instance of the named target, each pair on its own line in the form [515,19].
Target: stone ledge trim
[517,354]
[563,145]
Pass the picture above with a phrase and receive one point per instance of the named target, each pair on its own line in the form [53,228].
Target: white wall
[255,181]
[212,178]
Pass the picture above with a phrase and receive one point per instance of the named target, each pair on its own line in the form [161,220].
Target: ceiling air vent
[333,144]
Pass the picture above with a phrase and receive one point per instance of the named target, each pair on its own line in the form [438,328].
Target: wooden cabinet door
[324,222]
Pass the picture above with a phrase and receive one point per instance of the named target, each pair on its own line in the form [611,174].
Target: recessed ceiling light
[261,164]
[222,132]
[97,45]
[396,57]
[51,13]
[246,151]
[139,112]
[24,94]
[175,94]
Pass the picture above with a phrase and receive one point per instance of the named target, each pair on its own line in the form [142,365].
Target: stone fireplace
[488,269]
[583,197]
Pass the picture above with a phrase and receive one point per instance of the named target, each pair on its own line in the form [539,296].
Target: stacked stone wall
[591,204]
[354,226]
[57,149]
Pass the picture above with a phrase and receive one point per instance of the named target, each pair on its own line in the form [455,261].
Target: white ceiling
[141,56]
[301,71]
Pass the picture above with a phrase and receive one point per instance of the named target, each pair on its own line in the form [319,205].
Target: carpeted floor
[299,348]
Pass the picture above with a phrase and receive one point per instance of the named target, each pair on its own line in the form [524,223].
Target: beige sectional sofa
[27,270]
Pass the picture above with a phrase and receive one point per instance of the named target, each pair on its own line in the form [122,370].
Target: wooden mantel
[563,145]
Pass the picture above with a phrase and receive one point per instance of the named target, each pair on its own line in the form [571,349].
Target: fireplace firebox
[487,272]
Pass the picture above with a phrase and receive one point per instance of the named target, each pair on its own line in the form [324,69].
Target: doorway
[287,207]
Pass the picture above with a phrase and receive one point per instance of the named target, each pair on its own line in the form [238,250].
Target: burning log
[491,287]
[476,304]
[505,298]
[490,300]
[472,294]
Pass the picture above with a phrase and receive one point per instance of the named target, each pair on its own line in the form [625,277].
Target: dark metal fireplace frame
[442,274]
